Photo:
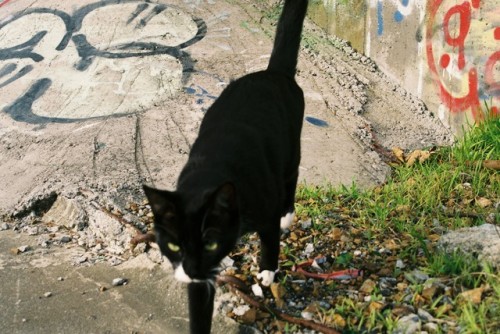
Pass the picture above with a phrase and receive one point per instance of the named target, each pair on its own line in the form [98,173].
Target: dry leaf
[375,306]
[492,164]
[338,321]
[367,286]
[277,290]
[399,154]
[419,155]
[483,202]
[473,296]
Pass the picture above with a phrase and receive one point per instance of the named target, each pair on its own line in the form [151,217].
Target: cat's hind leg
[289,207]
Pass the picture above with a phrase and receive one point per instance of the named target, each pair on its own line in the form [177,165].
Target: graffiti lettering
[128,61]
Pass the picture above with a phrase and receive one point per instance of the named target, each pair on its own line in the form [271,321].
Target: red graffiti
[463,11]
[455,23]
[489,78]
[4,2]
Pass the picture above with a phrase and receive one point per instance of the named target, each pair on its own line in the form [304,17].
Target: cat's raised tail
[288,34]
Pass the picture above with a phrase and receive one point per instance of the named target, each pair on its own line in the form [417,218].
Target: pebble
[81,259]
[309,249]
[47,294]
[357,253]
[306,224]
[4,226]
[400,264]
[417,276]
[408,324]
[240,310]
[23,248]
[424,315]
[65,239]
[119,281]
[257,290]
[306,315]
[227,262]
[430,327]
[387,282]
[60,278]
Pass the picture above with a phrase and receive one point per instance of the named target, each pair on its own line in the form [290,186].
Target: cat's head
[195,231]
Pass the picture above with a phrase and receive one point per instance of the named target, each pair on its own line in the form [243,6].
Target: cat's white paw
[266,277]
[287,220]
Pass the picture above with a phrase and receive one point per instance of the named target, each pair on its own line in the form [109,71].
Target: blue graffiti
[316,121]
[398,16]
[380,18]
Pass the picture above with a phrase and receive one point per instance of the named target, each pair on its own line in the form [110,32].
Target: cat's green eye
[173,247]
[211,246]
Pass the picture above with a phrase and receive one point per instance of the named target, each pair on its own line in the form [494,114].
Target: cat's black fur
[241,173]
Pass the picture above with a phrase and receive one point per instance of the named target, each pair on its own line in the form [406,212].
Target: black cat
[240,176]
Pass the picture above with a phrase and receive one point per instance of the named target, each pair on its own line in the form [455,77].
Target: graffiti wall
[67,64]
[444,51]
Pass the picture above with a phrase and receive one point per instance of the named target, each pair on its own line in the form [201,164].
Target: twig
[337,275]
[234,286]
[138,238]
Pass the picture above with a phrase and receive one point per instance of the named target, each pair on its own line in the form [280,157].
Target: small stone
[357,252]
[4,226]
[60,278]
[424,315]
[102,288]
[65,239]
[430,327]
[417,276]
[408,324]
[47,294]
[227,262]
[81,259]
[306,315]
[257,290]
[400,264]
[309,249]
[119,281]
[387,282]
[306,224]
[24,248]
[240,310]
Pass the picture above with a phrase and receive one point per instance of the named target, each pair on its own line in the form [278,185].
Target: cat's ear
[161,201]
[225,198]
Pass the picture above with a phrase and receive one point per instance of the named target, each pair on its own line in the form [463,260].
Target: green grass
[416,203]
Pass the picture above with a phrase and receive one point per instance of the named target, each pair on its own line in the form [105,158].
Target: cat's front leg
[201,306]
[270,249]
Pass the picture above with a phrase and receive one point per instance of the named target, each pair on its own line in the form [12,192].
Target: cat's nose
[192,270]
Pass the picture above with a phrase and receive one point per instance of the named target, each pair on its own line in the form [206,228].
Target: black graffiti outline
[21,108]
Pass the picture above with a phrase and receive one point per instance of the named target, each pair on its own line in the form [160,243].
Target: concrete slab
[97,97]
